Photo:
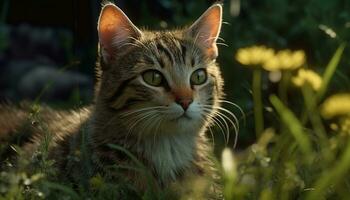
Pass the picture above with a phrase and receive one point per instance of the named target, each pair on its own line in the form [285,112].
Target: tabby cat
[157,93]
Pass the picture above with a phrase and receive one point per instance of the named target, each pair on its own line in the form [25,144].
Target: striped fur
[146,118]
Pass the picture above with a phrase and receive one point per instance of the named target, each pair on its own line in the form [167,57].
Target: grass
[300,157]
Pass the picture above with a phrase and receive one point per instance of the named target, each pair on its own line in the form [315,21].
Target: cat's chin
[182,117]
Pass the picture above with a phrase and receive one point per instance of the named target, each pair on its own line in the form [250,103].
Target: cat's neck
[170,155]
[168,152]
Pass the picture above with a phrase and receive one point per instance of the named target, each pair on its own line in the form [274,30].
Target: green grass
[300,157]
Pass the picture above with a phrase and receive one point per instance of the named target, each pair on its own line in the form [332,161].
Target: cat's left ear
[115,31]
[205,31]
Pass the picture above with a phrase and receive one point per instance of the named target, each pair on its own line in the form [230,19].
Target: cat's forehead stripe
[165,50]
[183,52]
[170,49]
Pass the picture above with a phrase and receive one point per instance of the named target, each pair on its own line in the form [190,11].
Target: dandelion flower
[269,60]
[336,105]
[255,55]
[272,64]
[285,60]
[298,58]
[310,77]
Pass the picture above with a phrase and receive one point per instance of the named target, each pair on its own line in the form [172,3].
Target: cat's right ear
[115,30]
[205,31]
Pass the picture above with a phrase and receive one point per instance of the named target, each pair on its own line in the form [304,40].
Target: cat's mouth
[183,116]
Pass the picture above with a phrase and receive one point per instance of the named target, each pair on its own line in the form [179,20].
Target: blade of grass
[258,107]
[293,124]
[331,177]
[151,180]
[48,85]
[129,154]
[62,188]
[330,70]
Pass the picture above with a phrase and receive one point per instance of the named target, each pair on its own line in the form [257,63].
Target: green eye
[198,77]
[153,77]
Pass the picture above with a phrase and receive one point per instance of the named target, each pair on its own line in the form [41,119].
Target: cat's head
[159,79]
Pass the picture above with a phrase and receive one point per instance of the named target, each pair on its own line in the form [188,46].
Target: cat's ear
[205,31]
[115,31]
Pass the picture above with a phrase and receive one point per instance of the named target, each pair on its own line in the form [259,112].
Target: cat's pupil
[198,77]
[152,77]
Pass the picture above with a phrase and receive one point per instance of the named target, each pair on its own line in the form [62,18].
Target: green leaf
[331,177]
[293,124]
[330,70]
[62,188]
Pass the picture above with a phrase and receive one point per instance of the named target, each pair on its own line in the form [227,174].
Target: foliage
[305,155]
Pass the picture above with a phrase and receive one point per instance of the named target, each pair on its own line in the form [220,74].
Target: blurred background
[48,48]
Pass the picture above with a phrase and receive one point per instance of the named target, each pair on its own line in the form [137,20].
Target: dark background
[48,48]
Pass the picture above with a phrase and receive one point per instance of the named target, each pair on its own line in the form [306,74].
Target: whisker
[147,124]
[212,136]
[217,122]
[235,105]
[129,43]
[210,130]
[234,126]
[145,115]
[218,114]
[221,39]
[224,110]
[222,44]
[225,123]
[139,43]
[223,117]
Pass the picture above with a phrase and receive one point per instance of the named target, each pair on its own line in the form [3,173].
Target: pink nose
[184,103]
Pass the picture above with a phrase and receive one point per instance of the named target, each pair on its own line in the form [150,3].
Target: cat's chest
[170,156]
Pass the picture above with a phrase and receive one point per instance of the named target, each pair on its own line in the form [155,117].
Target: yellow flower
[285,60]
[336,105]
[299,59]
[255,55]
[310,77]
[269,60]
[96,182]
[272,64]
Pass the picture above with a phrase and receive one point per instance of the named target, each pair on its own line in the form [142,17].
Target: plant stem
[293,125]
[258,108]
[316,121]
[283,86]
